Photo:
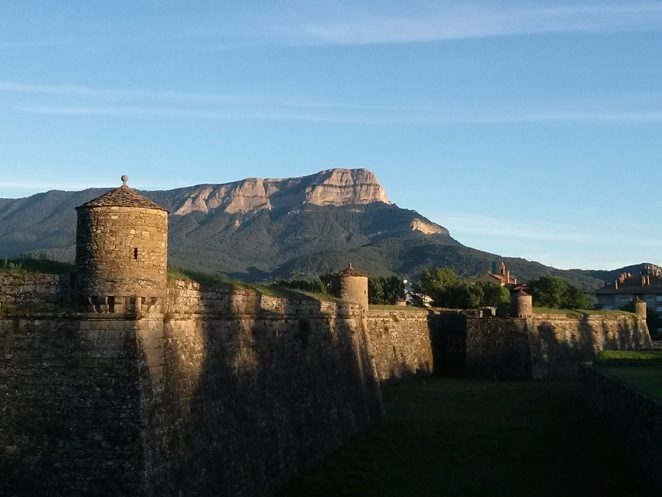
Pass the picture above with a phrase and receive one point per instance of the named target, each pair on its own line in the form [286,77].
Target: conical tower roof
[349,271]
[122,197]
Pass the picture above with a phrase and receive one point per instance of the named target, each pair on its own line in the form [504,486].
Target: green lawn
[635,356]
[574,313]
[645,378]
[640,368]
[449,437]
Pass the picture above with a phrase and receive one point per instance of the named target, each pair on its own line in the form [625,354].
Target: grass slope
[459,438]
[641,369]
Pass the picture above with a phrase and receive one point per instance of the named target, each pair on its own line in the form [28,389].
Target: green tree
[548,291]
[575,298]
[375,291]
[494,294]
[394,289]
[385,290]
[552,291]
[442,285]
[474,295]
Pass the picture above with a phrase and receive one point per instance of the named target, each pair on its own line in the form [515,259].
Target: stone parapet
[29,293]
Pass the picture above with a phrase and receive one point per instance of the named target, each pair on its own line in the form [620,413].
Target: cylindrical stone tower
[521,304]
[121,249]
[349,284]
[640,307]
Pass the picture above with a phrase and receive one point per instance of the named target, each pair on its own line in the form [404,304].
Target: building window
[135,253]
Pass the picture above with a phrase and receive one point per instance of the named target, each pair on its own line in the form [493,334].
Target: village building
[646,286]
[502,278]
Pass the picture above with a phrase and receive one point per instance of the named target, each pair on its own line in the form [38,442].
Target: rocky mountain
[257,229]
[332,187]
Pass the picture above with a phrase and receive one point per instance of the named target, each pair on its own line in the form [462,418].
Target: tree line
[446,289]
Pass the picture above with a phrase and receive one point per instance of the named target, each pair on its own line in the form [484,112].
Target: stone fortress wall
[224,392]
[229,391]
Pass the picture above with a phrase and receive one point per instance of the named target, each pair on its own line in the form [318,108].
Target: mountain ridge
[257,229]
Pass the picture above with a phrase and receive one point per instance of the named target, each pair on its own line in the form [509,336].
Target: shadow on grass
[454,437]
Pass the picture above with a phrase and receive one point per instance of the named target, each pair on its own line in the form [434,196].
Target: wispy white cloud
[81,100]
[87,91]
[302,23]
[181,97]
[432,22]
[179,113]
[467,22]
[369,116]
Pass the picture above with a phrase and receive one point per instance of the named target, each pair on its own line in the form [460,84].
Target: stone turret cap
[349,271]
[520,292]
[122,197]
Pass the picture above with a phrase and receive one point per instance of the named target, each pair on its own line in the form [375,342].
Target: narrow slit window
[135,253]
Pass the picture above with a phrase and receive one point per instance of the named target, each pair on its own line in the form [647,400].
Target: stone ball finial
[124,179]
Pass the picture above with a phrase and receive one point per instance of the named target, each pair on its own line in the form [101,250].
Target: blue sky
[527,128]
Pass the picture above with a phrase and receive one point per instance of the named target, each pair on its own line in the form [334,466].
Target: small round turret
[121,248]
[640,307]
[521,304]
[349,284]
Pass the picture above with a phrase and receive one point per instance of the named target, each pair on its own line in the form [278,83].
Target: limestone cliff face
[345,186]
[331,187]
[427,228]
[242,196]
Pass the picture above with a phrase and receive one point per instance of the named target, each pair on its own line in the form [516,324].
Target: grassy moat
[641,370]
[457,437]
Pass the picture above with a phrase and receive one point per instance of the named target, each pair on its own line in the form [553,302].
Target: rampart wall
[497,348]
[243,389]
[547,345]
[70,418]
[559,342]
[229,391]
[29,293]
[400,341]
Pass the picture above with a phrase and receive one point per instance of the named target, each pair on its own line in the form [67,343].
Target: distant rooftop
[122,197]
[650,281]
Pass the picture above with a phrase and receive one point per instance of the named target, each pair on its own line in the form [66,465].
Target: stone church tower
[121,251]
